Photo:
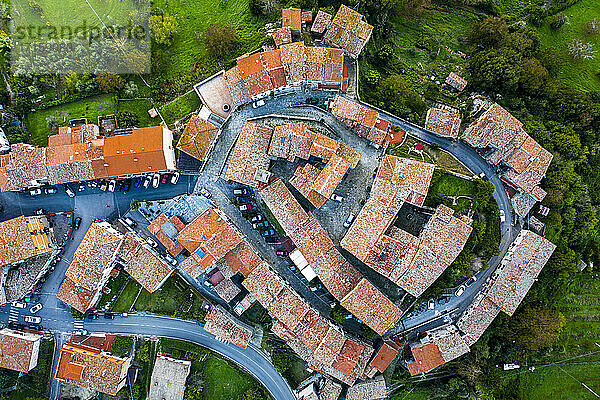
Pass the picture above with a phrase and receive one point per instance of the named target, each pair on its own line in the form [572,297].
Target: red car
[165,178]
[245,207]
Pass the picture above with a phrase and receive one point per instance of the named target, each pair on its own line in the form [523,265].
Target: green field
[139,107]
[194,17]
[180,107]
[89,108]
[581,74]
[560,382]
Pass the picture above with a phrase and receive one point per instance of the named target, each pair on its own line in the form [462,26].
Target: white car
[175,178]
[70,193]
[431,304]
[36,308]
[337,198]
[32,319]
[129,222]
[258,104]
[155,180]
[460,290]
[51,190]
[349,220]
[19,304]
[146,182]
[151,242]
[502,217]
[35,192]
[112,185]
[171,259]
[204,192]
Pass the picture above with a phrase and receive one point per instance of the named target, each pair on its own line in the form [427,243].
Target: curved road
[92,204]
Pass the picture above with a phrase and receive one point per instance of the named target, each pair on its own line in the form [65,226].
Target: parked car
[112,185]
[36,308]
[337,198]
[77,222]
[155,180]
[119,186]
[81,187]
[147,181]
[312,100]
[241,192]
[256,218]
[137,182]
[470,281]
[431,304]
[281,253]
[151,242]
[34,327]
[261,224]
[258,104]
[502,217]
[242,200]
[129,222]
[80,332]
[93,316]
[204,192]
[164,178]
[171,259]
[245,207]
[109,316]
[41,211]
[175,178]
[272,239]
[51,190]
[19,304]
[35,192]
[460,290]
[32,319]
[349,220]
[103,187]
[268,232]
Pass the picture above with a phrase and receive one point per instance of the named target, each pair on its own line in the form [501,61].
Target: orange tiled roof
[197,137]
[221,324]
[427,357]
[346,30]
[249,155]
[18,349]
[292,18]
[443,122]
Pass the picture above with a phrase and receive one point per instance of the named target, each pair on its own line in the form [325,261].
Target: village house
[456,82]
[26,248]
[364,121]
[19,350]
[346,29]
[91,368]
[443,122]
[225,326]
[80,154]
[91,266]
[354,292]
[198,138]
[168,378]
[500,138]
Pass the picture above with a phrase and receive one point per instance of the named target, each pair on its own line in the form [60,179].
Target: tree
[193,393]
[220,39]
[533,75]
[396,94]
[339,313]
[281,361]
[593,27]
[144,352]
[252,394]
[483,194]
[127,119]
[579,50]
[163,28]
[121,345]
[135,205]
[497,69]
[16,134]
[411,8]
[558,20]
[489,32]
[110,82]
[536,327]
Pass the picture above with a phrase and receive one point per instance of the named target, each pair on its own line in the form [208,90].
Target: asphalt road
[92,203]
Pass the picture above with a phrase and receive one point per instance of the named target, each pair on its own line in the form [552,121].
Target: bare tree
[579,50]
[593,27]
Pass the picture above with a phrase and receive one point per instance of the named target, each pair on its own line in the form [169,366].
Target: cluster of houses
[208,242]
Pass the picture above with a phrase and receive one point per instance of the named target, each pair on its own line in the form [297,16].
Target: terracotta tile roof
[330,391]
[372,389]
[321,22]
[209,235]
[86,273]
[443,122]
[364,121]
[197,137]
[282,35]
[311,336]
[476,319]
[165,229]
[427,357]
[168,378]
[249,156]
[306,16]
[223,325]
[22,238]
[227,290]
[338,276]
[384,357]
[518,270]
[457,82]
[346,30]
[18,350]
[242,258]
[92,369]
[143,264]
[505,141]
[292,18]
